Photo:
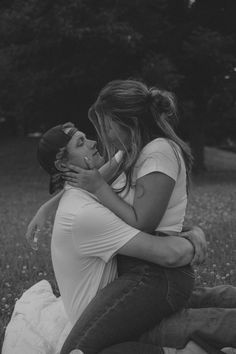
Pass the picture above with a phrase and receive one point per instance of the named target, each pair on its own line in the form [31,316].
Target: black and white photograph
[118,177]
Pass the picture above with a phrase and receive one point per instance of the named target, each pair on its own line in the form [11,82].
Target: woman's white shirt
[159,156]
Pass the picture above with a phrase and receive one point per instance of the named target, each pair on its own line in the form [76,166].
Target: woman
[119,116]
[152,191]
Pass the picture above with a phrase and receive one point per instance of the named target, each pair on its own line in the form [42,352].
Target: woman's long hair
[145,114]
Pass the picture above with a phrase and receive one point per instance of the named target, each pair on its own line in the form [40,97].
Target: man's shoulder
[77,193]
[73,199]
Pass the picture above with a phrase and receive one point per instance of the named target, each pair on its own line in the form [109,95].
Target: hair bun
[163,101]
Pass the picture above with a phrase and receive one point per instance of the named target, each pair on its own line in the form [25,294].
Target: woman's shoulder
[159,145]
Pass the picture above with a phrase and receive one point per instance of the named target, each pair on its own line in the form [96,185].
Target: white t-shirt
[159,156]
[85,237]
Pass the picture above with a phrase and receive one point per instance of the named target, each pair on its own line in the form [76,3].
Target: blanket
[39,324]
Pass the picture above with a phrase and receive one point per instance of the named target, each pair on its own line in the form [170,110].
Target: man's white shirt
[86,235]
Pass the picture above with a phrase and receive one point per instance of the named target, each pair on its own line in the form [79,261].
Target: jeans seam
[118,301]
[168,292]
[173,307]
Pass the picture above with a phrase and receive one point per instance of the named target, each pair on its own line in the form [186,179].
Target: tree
[207,59]
[56,56]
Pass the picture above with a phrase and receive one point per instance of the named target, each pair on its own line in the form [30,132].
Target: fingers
[30,230]
[200,254]
[196,258]
[32,236]
[72,179]
[72,175]
[89,163]
[75,168]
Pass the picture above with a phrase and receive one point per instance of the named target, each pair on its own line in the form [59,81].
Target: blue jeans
[211,312]
[135,302]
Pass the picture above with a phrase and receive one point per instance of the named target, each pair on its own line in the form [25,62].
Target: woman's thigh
[122,311]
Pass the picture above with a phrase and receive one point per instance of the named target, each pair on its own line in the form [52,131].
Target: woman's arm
[152,194]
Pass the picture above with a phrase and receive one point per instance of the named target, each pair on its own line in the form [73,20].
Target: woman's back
[164,156]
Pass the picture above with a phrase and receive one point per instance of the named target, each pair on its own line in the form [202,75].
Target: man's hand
[35,228]
[197,237]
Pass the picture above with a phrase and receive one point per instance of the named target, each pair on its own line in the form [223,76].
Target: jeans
[211,312]
[135,302]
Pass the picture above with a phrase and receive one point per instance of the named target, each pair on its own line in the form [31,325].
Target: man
[86,235]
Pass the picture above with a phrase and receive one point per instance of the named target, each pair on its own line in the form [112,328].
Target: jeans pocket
[180,286]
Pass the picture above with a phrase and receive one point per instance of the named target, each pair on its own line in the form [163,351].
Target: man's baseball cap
[49,145]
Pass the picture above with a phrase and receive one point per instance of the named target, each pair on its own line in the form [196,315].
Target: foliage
[55,56]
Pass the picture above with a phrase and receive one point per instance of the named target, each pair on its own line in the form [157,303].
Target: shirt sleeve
[97,232]
[159,156]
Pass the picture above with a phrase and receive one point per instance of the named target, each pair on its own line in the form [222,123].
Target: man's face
[80,147]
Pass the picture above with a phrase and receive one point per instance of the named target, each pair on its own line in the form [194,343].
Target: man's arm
[39,220]
[169,251]
[108,235]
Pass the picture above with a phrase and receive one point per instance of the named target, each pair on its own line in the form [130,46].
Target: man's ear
[61,165]
[61,162]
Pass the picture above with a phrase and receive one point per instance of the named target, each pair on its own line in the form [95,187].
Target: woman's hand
[197,237]
[35,227]
[91,180]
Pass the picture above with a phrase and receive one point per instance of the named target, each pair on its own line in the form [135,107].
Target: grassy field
[23,184]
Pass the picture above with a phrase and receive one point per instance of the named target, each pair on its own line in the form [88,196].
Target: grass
[212,205]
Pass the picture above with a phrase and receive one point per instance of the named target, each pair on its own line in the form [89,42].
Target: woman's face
[117,134]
